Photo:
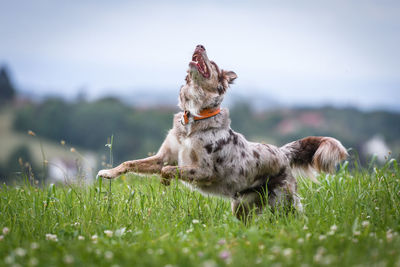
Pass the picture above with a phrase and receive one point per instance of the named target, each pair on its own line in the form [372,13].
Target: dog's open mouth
[199,63]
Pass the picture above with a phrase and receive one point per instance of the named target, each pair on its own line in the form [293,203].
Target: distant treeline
[89,124]
[138,132]
[350,125]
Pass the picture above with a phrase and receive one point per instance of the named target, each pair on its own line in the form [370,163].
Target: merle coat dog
[206,154]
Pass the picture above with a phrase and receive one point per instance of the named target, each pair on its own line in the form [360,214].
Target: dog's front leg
[191,174]
[167,154]
[148,165]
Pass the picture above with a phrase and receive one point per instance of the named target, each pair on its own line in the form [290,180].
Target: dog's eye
[220,89]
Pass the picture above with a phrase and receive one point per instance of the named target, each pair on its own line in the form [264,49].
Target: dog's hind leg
[167,154]
[282,193]
[243,206]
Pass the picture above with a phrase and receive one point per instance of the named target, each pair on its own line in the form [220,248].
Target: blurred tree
[140,131]
[241,115]
[7,90]
[3,174]
[19,165]
[88,124]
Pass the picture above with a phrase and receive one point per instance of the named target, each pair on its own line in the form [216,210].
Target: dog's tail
[315,153]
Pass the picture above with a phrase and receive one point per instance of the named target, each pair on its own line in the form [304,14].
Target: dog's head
[205,84]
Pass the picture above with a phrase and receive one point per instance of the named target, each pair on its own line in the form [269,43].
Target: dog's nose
[200,47]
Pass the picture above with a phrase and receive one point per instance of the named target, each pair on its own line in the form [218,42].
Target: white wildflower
[271,257]
[108,233]
[120,232]
[327,260]
[195,221]
[94,237]
[356,233]
[20,252]
[33,262]
[185,250]
[68,259]
[389,236]
[365,224]
[322,237]
[1,237]
[6,230]
[317,258]
[333,228]
[319,255]
[9,259]
[81,237]
[209,263]
[287,252]
[51,237]
[34,245]
[300,240]
[108,255]
[276,250]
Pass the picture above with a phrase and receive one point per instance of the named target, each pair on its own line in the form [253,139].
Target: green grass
[351,218]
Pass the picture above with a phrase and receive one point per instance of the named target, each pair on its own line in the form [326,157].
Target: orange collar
[204,114]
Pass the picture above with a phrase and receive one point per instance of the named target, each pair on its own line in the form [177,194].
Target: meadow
[350,219]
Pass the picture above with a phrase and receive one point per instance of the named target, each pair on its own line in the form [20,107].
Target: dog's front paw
[168,172]
[165,181]
[166,175]
[109,174]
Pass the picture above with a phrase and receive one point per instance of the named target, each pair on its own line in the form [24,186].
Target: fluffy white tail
[315,153]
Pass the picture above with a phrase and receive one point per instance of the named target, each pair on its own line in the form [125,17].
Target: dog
[204,153]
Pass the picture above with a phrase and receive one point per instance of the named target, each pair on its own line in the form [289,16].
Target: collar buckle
[204,114]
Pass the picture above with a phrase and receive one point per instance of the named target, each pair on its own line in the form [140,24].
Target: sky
[297,52]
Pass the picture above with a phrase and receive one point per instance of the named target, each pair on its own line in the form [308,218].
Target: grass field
[350,219]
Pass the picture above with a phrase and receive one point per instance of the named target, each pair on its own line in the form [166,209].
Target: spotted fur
[210,157]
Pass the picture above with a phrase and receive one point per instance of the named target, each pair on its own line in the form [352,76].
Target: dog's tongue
[198,63]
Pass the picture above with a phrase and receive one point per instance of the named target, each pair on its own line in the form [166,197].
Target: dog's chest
[192,150]
[186,152]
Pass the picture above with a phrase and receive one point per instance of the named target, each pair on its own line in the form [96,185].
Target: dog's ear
[225,78]
[230,76]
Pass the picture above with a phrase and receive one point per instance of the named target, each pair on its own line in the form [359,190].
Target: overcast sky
[299,52]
